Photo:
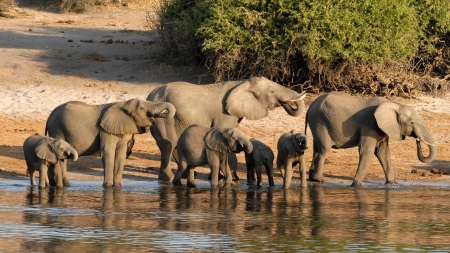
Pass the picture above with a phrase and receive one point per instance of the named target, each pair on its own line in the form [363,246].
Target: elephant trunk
[426,137]
[248,146]
[292,102]
[163,110]
[72,154]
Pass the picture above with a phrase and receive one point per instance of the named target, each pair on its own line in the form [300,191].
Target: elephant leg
[366,150]
[383,155]
[258,174]
[108,144]
[269,171]
[130,145]
[226,171]
[43,169]
[302,171]
[32,178]
[119,162]
[288,173]
[214,164]
[250,167]
[191,177]
[57,174]
[182,166]
[63,165]
[280,166]
[319,155]
[166,147]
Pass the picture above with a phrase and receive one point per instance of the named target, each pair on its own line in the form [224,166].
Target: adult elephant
[103,128]
[216,105]
[338,120]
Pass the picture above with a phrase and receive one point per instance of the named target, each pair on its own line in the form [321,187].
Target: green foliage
[327,30]
[299,40]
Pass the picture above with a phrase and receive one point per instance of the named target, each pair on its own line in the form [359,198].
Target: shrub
[328,43]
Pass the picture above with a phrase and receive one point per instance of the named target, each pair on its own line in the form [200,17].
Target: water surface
[148,216]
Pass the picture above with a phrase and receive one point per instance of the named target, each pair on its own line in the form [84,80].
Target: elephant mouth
[290,104]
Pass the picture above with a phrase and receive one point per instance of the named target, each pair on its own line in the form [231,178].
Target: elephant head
[399,121]
[53,150]
[299,143]
[255,97]
[134,115]
[228,140]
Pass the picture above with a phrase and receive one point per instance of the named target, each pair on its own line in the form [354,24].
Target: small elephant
[44,154]
[222,105]
[104,128]
[338,120]
[291,150]
[261,155]
[198,146]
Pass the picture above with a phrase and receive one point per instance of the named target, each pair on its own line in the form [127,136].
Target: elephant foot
[117,185]
[106,184]
[166,176]
[177,182]
[191,185]
[66,182]
[356,184]
[393,182]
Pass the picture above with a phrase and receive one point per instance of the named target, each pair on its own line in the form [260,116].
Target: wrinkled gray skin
[261,155]
[216,105]
[44,154]
[104,128]
[199,146]
[291,151]
[338,120]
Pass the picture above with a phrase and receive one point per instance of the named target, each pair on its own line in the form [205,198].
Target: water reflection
[170,219]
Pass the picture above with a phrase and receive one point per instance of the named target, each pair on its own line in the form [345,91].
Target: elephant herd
[197,125]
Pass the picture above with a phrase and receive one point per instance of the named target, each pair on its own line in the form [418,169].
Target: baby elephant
[198,146]
[44,154]
[291,149]
[261,155]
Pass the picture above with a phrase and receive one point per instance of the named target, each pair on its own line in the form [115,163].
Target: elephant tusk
[422,140]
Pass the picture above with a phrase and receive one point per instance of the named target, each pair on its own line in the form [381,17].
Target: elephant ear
[117,120]
[45,151]
[242,102]
[215,140]
[386,117]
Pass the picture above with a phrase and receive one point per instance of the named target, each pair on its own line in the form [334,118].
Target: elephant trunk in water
[424,135]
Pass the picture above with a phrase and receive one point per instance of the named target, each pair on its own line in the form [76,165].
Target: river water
[149,216]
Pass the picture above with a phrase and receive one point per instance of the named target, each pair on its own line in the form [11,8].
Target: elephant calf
[291,149]
[44,154]
[198,146]
[261,155]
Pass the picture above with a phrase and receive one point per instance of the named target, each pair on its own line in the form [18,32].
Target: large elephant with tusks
[221,105]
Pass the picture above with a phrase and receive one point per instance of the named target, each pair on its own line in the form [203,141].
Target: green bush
[298,40]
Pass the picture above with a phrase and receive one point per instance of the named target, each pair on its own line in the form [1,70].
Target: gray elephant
[104,128]
[44,154]
[261,155]
[338,120]
[216,105]
[291,151]
[198,146]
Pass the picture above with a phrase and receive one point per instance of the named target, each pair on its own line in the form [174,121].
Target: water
[148,216]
